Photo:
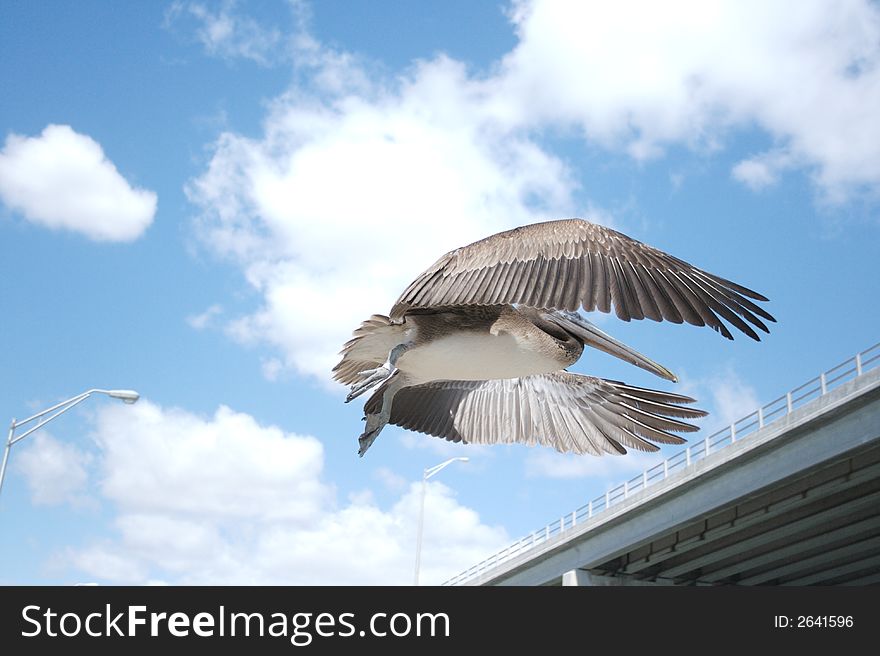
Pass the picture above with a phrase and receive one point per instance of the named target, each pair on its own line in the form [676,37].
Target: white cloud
[158,461]
[358,182]
[644,75]
[108,563]
[756,173]
[440,447]
[724,394]
[550,464]
[204,319]
[272,368]
[62,180]
[56,472]
[390,479]
[762,170]
[228,34]
[346,198]
[224,500]
[732,398]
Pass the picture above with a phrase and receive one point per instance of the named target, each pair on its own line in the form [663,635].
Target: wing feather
[573,263]
[569,412]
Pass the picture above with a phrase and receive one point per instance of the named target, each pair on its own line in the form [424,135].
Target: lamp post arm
[70,404]
[11,439]
[436,468]
[127,395]
[77,398]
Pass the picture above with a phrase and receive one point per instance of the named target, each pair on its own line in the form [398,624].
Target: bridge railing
[738,430]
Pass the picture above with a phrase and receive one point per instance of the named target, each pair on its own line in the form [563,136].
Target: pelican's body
[476,347]
[480,343]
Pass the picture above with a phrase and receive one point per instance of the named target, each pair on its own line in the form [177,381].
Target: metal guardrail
[738,430]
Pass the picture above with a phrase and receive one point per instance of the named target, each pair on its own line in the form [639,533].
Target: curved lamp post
[428,473]
[128,396]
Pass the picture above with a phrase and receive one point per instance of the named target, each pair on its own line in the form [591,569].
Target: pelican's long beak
[592,336]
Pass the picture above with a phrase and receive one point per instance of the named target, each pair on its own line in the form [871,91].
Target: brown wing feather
[569,412]
[573,263]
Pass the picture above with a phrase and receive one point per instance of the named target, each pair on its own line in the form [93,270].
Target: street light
[428,473]
[127,396]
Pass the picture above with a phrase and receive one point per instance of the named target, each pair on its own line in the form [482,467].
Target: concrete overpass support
[583,577]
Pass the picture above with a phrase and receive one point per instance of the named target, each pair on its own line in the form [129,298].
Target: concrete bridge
[789,495]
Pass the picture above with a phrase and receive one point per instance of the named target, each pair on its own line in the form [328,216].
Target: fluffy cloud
[732,398]
[205,319]
[441,448]
[55,472]
[358,182]
[724,394]
[550,464]
[346,198]
[224,500]
[62,180]
[644,75]
[158,461]
[225,33]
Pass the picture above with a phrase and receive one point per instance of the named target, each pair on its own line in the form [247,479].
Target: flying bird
[476,348]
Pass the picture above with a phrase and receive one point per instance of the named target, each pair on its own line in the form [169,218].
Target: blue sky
[179,180]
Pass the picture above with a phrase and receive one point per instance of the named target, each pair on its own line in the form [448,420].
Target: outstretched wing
[572,263]
[569,412]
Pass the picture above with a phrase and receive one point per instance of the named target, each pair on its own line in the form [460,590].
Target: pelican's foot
[366,440]
[375,424]
[374,377]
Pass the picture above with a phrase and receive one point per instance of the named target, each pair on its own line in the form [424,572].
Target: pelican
[476,348]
